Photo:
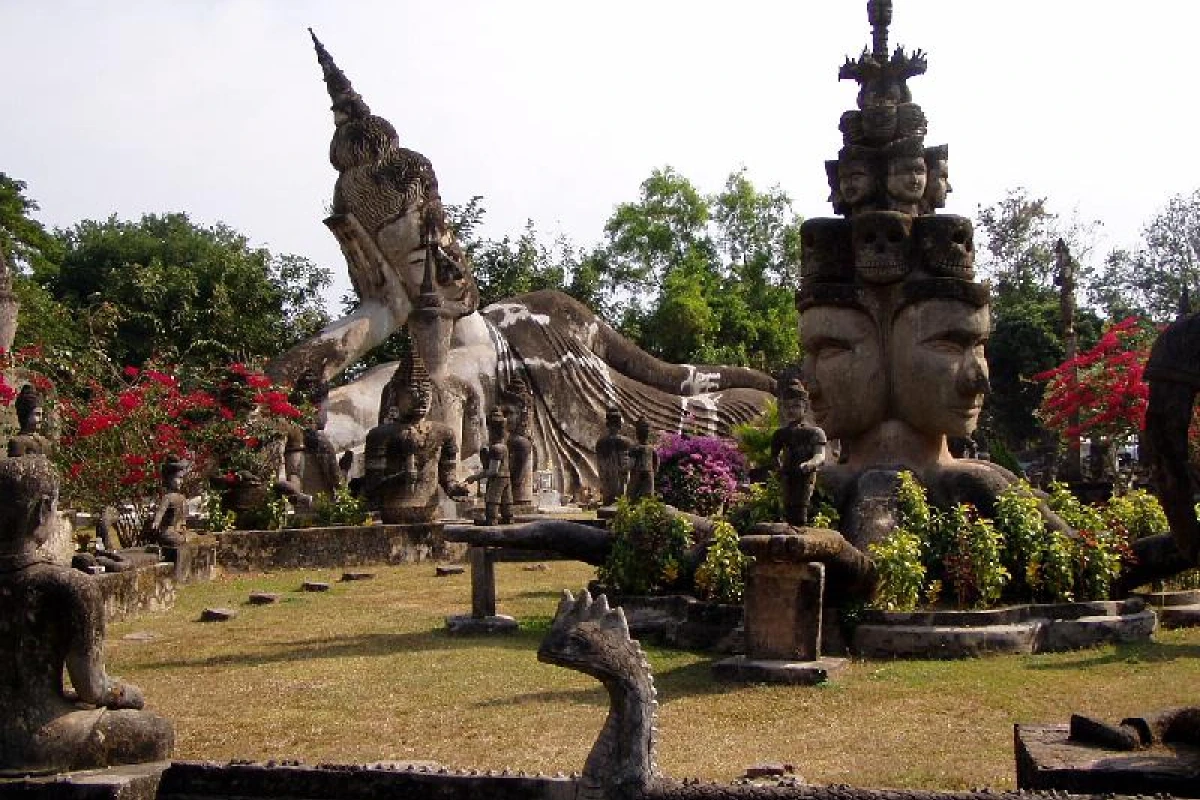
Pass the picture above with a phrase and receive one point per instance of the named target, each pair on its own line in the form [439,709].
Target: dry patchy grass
[366,672]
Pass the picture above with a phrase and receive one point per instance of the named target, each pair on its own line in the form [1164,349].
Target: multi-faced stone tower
[892,321]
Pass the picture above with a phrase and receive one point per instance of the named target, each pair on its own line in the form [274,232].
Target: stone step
[1183,616]
[1183,597]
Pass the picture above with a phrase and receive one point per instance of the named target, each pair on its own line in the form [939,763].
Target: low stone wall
[681,621]
[147,588]
[1015,629]
[333,547]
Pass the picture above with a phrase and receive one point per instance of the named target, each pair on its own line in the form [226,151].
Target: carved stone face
[855,182]
[906,179]
[938,183]
[881,241]
[939,371]
[825,250]
[946,244]
[400,242]
[843,370]
[792,408]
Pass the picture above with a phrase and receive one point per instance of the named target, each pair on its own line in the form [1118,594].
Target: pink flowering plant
[701,474]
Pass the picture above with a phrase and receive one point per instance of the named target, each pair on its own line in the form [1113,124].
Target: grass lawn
[366,672]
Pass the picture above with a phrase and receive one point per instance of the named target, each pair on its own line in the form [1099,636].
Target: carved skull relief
[825,253]
[882,243]
[946,246]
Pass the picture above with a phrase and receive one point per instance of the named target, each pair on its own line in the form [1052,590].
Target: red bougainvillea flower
[131,371]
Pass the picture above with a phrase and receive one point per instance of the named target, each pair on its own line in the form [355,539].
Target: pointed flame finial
[879,12]
[345,99]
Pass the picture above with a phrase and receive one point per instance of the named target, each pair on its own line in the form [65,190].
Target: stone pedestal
[783,618]
[126,782]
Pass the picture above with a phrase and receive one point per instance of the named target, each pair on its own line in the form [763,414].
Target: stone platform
[1048,760]
[742,669]
[1014,629]
[333,547]
[1176,609]
[131,782]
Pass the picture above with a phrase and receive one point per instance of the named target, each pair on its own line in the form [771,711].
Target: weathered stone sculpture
[309,458]
[798,450]
[29,441]
[408,456]
[517,406]
[612,457]
[643,463]
[170,515]
[51,619]
[407,268]
[892,321]
[498,497]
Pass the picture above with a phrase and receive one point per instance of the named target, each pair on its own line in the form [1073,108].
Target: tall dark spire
[344,98]
[880,14]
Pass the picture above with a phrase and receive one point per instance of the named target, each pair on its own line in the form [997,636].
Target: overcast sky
[556,110]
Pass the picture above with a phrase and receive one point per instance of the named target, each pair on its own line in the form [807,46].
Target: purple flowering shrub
[700,474]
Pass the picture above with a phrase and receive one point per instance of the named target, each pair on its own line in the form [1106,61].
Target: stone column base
[742,669]
[497,623]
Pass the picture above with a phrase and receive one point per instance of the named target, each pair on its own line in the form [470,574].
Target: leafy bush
[700,474]
[1137,513]
[754,437]
[898,564]
[761,502]
[973,564]
[340,508]
[648,548]
[722,576]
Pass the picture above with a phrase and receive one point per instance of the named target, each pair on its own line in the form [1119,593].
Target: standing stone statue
[30,440]
[498,497]
[310,460]
[409,456]
[516,402]
[798,450]
[51,619]
[170,516]
[612,457]
[643,463]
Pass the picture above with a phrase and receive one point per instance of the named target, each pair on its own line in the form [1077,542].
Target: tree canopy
[166,286]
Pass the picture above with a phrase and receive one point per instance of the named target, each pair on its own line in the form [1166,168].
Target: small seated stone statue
[29,441]
[498,498]
[798,450]
[51,619]
[643,464]
[612,458]
[170,516]
[409,456]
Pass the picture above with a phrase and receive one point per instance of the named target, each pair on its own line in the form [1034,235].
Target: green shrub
[1137,514]
[973,564]
[762,502]
[341,507]
[900,571]
[648,548]
[754,437]
[1019,519]
[1050,570]
[218,519]
[722,576]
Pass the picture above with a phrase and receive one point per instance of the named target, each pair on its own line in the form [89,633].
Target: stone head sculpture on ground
[409,272]
[51,619]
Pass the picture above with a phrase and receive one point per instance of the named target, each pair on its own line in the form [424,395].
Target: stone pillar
[783,611]
[483,618]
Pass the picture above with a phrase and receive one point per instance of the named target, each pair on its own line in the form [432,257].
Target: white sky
[556,110]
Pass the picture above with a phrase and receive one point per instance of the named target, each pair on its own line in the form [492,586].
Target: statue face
[939,183]
[939,371]
[400,241]
[906,179]
[843,370]
[855,182]
[791,409]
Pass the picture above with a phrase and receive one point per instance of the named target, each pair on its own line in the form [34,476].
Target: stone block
[263,598]
[127,782]
[218,614]
[783,611]
[742,669]
[493,624]
[314,586]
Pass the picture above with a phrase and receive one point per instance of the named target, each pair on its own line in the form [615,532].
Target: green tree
[26,242]
[705,278]
[1149,281]
[185,291]
[1017,237]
